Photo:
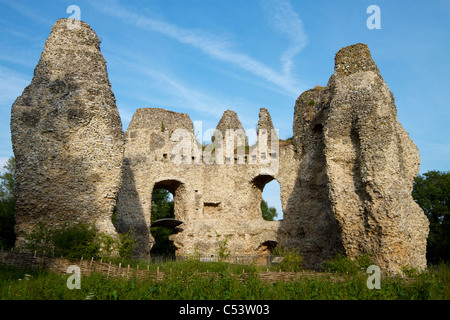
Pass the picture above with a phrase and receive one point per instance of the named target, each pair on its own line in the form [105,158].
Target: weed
[343,264]
[127,244]
[292,259]
[222,251]
[74,242]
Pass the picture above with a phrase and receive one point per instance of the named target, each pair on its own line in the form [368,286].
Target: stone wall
[216,202]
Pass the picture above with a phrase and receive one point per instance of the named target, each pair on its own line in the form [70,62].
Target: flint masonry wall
[67,136]
[215,201]
[361,162]
[345,179]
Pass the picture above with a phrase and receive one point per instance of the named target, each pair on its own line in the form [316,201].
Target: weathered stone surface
[216,202]
[232,135]
[366,161]
[371,164]
[67,136]
[265,123]
[229,120]
[309,223]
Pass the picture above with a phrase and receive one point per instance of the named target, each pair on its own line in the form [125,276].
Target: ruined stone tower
[345,178]
[357,166]
[67,136]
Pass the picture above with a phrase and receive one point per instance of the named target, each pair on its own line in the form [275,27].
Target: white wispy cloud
[175,92]
[283,18]
[12,84]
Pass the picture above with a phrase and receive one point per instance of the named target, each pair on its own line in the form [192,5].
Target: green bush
[343,264]
[292,259]
[74,242]
[39,240]
[77,241]
[222,251]
[443,273]
[127,243]
[7,204]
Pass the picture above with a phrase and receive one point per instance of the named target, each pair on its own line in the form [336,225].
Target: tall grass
[223,284]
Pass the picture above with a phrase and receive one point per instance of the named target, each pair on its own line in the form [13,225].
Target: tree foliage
[268,213]
[7,204]
[292,259]
[431,191]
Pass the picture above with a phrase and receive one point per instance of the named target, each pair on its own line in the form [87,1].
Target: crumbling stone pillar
[67,136]
[368,160]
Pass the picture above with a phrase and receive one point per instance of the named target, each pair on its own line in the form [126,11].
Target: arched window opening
[271,208]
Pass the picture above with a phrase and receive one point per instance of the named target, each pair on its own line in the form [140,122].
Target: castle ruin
[345,178]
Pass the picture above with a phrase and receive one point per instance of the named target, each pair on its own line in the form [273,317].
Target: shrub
[7,204]
[39,240]
[222,251]
[443,272]
[292,259]
[343,264]
[80,240]
[74,242]
[127,243]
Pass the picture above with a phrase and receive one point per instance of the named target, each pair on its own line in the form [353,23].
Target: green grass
[433,284]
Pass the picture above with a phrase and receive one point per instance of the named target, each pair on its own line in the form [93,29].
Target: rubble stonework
[360,164]
[371,164]
[67,136]
[345,176]
[216,202]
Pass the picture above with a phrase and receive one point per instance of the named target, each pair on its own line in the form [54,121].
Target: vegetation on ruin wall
[14,284]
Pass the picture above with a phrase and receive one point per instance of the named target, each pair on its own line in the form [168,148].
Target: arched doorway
[166,202]
[162,208]
[267,196]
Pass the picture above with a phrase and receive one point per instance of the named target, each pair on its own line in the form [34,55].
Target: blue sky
[203,57]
